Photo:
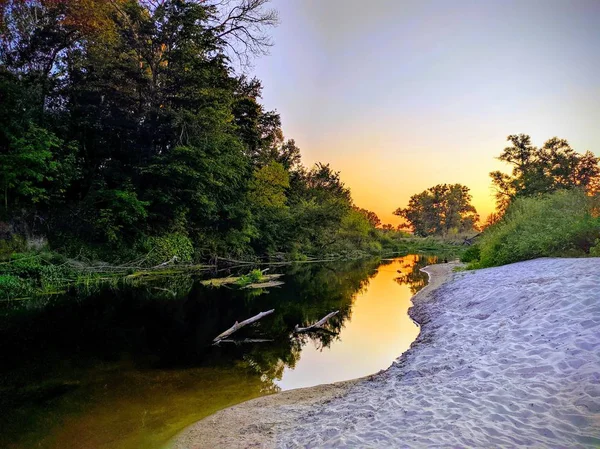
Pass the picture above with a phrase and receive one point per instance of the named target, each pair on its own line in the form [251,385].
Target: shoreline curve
[254,423]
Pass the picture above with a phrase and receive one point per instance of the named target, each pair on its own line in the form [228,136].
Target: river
[129,366]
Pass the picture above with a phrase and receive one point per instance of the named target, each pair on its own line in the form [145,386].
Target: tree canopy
[126,120]
[440,210]
[554,166]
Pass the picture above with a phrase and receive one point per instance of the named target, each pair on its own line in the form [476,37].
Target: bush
[251,278]
[471,254]
[13,286]
[595,250]
[11,245]
[563,223]
[165,247]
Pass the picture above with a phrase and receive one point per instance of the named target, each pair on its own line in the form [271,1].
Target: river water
[130,366]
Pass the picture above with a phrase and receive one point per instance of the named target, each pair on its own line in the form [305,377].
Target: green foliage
[119,211]
[26,274]
[563,223]
[595,250]
[253,277]
[440,210]
[535,170]
[13,287]
[12,245]
[35,165]
[268,185]
[164,248]
[471,254]
[371,216]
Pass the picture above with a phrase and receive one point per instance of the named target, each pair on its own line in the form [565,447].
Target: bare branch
[240,26]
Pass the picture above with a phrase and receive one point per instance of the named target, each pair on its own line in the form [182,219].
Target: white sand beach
[506,357]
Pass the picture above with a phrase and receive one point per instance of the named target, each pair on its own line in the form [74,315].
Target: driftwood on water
[264,284]
[243,341]
[318,324]
[238,326]
[268,280]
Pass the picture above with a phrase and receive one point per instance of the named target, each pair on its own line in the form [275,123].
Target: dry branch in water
[238,326]
[265,284]
[268,281]
[243,341]
[318,324]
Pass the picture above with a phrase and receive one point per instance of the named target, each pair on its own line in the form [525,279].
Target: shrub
[563,223]
[471,254]
[251,278]
[11,245]
[165,247]
[13,286]
[595,250]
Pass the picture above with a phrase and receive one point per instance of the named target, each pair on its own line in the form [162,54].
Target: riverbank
[35,274]
[507,356]
[255,423]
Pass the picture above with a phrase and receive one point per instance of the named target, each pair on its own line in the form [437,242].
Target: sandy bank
[254,424]
[506,357]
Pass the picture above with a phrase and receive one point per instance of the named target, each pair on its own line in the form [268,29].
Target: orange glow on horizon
[382,180]
[402,96]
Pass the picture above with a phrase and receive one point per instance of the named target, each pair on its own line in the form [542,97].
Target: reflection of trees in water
[169,323]
[310,292]
[166,324]
[415,278]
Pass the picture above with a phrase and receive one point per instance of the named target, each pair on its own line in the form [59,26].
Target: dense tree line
[124,122]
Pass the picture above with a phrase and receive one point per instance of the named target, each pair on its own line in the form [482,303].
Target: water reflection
[379,331]
[411,274]
[129,367]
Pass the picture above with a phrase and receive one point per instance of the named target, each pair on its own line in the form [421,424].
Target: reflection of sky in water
[378,331]
[128,368]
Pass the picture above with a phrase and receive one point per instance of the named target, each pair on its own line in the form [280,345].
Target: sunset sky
[403,95]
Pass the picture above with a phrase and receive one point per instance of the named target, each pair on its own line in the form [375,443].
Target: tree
[270,213]
[239,25]
[440,210]
[35,166]
[536,170]
[372,217]
[124,121]
[267,188]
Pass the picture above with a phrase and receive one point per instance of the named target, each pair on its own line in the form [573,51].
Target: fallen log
[264,284]
[168,262]
[219,282]
[318,324]
[236,326]
[245,340]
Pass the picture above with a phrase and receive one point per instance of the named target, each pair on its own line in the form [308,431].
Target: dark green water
[130,366]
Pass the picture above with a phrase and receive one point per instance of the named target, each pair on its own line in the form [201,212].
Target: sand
[506,357]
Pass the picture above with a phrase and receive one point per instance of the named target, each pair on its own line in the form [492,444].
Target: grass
[46,273]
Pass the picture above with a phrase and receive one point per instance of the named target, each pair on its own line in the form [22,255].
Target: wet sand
[506,357]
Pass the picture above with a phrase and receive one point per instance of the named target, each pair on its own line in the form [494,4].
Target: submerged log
[238,326]
[318,324]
